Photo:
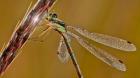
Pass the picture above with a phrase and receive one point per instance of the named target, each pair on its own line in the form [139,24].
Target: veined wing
[110,41]
[62,51]
[100,54]
[73,58]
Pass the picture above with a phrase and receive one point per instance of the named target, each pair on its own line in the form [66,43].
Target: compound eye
[54,15]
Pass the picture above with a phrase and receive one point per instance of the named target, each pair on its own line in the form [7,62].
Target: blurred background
[120,18]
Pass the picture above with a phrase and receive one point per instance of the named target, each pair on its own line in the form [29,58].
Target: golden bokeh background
[119,18]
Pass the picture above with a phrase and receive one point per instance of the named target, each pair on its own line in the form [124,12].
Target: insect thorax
[55,22]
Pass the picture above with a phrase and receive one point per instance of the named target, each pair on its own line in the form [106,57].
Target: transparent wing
[106,40]
[73,58]
[62,51]
[100,54]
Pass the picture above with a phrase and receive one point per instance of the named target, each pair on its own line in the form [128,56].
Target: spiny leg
[45,31]
[42,34]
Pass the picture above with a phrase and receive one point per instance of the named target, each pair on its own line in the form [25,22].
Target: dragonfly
[65,50]
[23,31]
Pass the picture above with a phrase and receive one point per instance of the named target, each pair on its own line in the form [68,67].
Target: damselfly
[37,14]
[65,51]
